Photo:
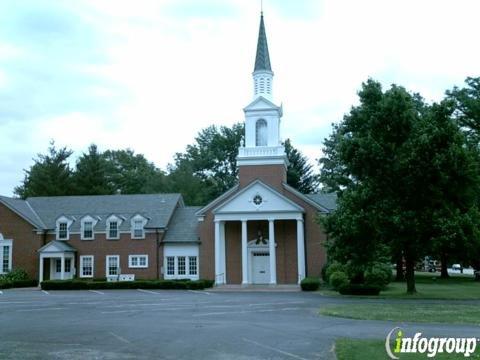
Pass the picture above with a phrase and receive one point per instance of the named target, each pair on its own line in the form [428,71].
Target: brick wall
[25,241]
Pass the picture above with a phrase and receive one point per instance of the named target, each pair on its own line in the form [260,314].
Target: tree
[467,107]
[395,162]
[50,175]
[90,176]
[300,173]
[130,173]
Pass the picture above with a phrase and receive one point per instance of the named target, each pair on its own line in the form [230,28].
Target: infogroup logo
[397,343]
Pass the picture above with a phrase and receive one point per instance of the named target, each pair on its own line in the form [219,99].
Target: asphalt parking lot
[156,324]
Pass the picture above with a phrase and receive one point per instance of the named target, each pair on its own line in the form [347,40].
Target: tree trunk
[444,269]
[410,273]
[400,275]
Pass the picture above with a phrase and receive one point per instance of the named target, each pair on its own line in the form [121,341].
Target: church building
[262,231]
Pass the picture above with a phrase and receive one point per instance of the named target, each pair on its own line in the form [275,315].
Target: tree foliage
[402,169]
[50,175]
[91,176]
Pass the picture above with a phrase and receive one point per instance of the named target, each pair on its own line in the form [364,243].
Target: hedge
[18,284]
[359,289]
[310,284]
[139,284]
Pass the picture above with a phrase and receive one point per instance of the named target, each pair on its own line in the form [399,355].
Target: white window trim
[107,263]
[187,274]
[9,243]
[132,225]
[60,220]
[85,219]
[82,257]
[111,219]
[137,266]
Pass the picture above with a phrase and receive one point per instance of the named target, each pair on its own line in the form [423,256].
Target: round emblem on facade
[257,200]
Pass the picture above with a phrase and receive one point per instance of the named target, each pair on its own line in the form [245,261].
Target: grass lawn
[350,349]
[432,313]
[430,286]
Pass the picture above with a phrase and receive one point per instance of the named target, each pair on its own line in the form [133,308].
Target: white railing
[261,151]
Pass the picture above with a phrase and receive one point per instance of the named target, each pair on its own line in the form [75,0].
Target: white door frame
[253,247]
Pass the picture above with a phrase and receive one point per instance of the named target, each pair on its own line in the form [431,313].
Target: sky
[150,74]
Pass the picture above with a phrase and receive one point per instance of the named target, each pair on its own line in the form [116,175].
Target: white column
[244,253]
[223,267]
[62,267]
[300,250]
[217,253]
[273,256]
[40,270]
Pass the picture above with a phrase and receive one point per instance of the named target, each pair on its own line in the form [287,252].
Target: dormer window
[88,223]
[138,227]
[113,227]
[63,228]
[113,230]
[63,231]
[88,230]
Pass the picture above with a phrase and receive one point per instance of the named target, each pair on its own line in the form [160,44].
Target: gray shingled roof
[44,211]
[262,60]
[22,208]
[183,227]
[328,201]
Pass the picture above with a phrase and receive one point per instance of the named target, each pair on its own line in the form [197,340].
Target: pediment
[261,103]
[56,247]
[257,198]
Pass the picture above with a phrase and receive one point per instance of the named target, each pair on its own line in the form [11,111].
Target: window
[170,265]
[138,261]
[63,231]
[192,265]
[5,255]
[68,265]
[58,265]
[138,232]
[86,266]
[261,133]
[87,230]
[181,265]
[113,265]
[113,230]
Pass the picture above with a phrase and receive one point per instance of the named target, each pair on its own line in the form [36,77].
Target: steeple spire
[262,60]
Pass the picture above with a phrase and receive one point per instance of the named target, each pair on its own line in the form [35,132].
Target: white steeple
[262,117]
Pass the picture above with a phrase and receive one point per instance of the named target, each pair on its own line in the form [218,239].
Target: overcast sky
[149,74]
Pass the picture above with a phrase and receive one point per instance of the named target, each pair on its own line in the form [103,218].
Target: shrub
[332,268]
[379,275]
[14,275]
[310,284]
[18,284]
[208,283]
[338,279]
[139,284]
[358,289]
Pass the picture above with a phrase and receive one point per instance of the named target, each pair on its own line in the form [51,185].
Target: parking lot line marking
[148,292]
[45,292]
[40,309]
[274,349]
[120,338]
[1,292]
[118,311]
[200,292]
[97,292]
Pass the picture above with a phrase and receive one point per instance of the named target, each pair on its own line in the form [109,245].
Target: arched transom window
[261,133]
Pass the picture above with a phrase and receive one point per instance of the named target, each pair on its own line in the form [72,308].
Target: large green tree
[467,107]
[50,175]
[401,168]
[90,176]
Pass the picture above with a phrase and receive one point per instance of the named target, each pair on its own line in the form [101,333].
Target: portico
[255,204]
[61,258]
